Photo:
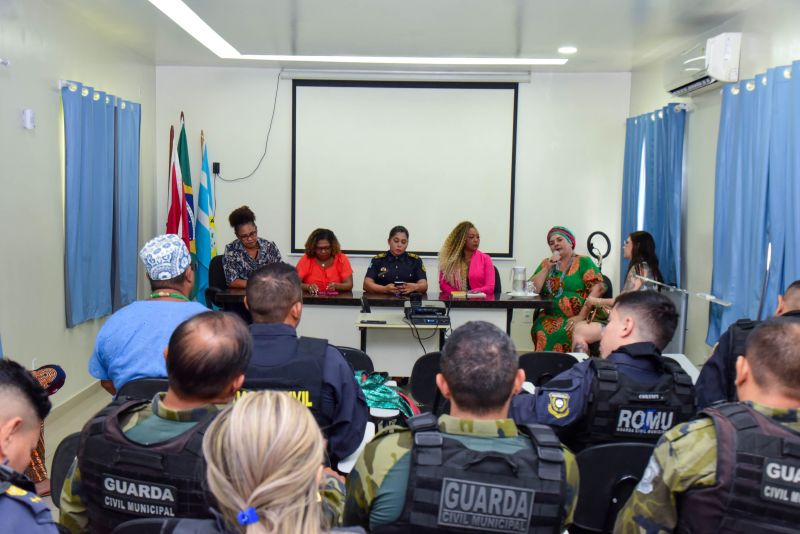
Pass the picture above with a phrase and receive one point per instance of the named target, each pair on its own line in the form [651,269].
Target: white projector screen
[368,156]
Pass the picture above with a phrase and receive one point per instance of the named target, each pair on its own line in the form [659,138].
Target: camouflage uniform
[376,488]
[684,458]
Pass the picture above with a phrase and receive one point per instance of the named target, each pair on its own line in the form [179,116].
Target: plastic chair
[609,474]
[423,383]
[66,452]
[497,286]
[150,525]
[540,367]
[143,388]
[216,281]
[358,359]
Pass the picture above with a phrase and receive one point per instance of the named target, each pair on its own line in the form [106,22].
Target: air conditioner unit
[704,65]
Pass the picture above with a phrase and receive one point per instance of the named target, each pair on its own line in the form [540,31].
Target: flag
[186,174]
[178,216]
[206,233]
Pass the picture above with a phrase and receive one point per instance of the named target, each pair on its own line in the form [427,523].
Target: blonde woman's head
[452,264]
[266,452]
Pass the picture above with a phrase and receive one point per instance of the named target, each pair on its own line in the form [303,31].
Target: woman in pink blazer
[462,267]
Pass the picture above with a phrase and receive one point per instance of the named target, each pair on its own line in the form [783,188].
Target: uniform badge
[384,269]
[559,405]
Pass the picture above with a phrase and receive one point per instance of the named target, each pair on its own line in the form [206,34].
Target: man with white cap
[131,343]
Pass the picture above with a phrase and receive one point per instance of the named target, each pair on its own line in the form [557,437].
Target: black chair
[66,452]
[423,384]
[358,359]
[150,525]
[216,281]
[540,367]
[497,286]
[609,474]
[609,293]
[143,388]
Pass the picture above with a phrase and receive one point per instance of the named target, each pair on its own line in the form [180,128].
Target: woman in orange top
[324,267]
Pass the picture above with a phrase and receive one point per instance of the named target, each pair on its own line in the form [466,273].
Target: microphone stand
[704,296]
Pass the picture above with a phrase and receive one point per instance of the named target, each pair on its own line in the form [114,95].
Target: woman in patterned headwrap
[568,279]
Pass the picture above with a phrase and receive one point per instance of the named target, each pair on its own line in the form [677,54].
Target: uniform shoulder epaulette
[413,256]
[21,495]
[379,256]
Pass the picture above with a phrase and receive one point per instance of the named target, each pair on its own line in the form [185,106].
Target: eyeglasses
[625,243]
[251,235]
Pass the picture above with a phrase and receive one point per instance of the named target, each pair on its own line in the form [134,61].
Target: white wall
[770,38]
[570,142]
[47,41]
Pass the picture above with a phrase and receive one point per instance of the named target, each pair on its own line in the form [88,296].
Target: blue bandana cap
[165,257]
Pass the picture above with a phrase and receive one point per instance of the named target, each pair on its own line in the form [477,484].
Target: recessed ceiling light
[187,19]
[567,50]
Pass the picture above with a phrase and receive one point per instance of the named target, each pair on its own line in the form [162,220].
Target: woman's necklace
[164,294]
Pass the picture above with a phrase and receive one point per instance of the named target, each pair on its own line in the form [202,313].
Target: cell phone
[399,284]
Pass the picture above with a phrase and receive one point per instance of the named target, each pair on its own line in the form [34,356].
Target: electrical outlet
[33,364]
[215,167]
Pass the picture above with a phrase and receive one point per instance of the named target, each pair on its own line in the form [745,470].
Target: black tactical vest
[300,376]
[621,409]
[758,477]
[124,480]
[452,488]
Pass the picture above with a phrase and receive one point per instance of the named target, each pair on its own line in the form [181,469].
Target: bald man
[23,407]
[162,474]
[717,380]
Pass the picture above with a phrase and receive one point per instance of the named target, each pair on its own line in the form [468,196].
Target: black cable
[416,335]
[269,131]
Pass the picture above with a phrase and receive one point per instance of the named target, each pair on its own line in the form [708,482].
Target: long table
[335,318]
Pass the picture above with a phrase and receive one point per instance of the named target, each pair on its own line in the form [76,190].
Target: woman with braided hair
[462,267]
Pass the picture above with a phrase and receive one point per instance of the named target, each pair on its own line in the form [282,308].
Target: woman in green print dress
[568,279]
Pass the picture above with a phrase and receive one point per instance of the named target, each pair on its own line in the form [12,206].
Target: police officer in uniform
[632,393]
[717,380]
[310,369]
[396,271]
[23,407]
[737,467]
[473,468]
[144,459]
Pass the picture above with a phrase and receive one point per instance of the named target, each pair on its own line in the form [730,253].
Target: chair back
[609,474]
[358,359]
[609,293]
[143,388]
[216,280]
[540,367]
[423,383]
[497,287]
[681,301]
[66,452]
[149,525]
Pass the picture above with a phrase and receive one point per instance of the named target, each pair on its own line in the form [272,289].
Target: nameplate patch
[485,507]
[650,396]
[303,396]
[135,497]
[633,421]
[781,482]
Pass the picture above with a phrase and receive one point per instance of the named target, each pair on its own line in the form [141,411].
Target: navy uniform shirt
[342,400]
[564,400]
[24,511]
[386,268]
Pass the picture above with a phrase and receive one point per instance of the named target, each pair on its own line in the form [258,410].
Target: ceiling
[611,35]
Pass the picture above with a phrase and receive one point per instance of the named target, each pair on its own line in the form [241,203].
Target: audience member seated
[632,393]
[266,475]
[396,271]
[247,252]
[735,468]
[717,380]
[462,267]
[439,475]
[131,343]
[568,279]
[640,250]
[313,371]
[324,267]
[23,407]
[51,378]
[140,458]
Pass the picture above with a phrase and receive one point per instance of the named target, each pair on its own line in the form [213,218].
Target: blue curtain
[634,137]
[783,197]
[740,202]
[99,173]
[664,188]
[126,202]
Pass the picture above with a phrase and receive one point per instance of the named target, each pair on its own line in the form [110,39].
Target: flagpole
[169,168]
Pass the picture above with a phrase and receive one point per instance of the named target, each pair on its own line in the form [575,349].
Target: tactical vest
[758,477]
[621,409]
[452,488]
[124,480]
[300,376]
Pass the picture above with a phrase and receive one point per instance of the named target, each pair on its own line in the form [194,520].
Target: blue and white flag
[205,235]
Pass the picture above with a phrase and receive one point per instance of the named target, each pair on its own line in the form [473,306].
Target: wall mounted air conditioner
[704,66]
